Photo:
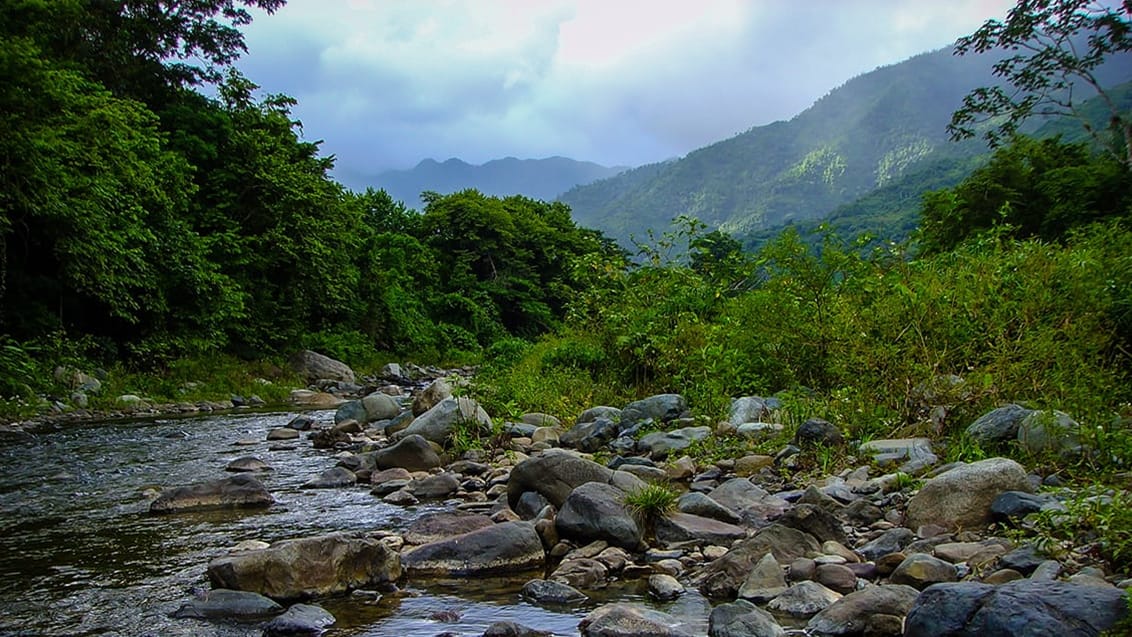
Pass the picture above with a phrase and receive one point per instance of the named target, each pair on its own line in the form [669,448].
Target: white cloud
[389,82]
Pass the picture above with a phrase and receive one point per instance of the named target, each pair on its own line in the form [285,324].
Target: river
[80,554]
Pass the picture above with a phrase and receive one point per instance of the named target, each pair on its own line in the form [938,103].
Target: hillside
[535,178]
[866,134]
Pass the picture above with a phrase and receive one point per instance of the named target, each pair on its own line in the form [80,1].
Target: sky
[387,83]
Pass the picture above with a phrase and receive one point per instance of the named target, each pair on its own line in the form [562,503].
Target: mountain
[535,178]
[866,134]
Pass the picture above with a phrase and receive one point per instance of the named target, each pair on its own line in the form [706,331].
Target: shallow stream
[80,555]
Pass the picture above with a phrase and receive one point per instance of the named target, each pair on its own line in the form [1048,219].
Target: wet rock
[438,423]
[630,620]
[920,570]
[412,452]
[508,547]
[247,464]
[549,592]
[433,527]
[865,611]
[765,581]
[300,620]
[333,478]
[664,587]
[312,366]
[227,604]
[742,619]
[998,425]
[685,527]
[283,433]
[328,438]
[581,572]
[555,474]
[594,511]
[238,491]
[511,629]
[723,577]
[962,497]
[306,567]
[434,487]
[1022,607]
[804,599]
[350,410]
[703,506]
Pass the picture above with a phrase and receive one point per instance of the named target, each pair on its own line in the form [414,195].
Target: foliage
[1099,522]
[1055,46]
[650,502]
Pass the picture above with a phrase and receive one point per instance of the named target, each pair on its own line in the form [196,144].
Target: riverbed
[81,555]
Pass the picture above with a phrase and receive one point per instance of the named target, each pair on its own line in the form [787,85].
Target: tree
[1053,47]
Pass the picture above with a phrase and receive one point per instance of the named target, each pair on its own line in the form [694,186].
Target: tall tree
[1055,47]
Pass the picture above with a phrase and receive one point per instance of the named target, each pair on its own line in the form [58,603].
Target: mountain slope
[861,136]
[536,178]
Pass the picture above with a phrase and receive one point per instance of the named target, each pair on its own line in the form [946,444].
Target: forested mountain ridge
[861,136]
[536,178]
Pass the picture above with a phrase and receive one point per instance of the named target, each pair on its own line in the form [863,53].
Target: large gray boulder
[700,504]
[431,396]
[753,504]
[595,511]
[436,526]
[438,423]
[660,408]
[1051,432]
[630,620]
[554,474]
[1020,608]
[684,527]
[308,567]
[748,409]
[238,491]
[962,497]
[300,620]
[509,547]
[379,406]
[722,578]
[998,425]
[869,611]
[412,452]
[312,366]
[591,435]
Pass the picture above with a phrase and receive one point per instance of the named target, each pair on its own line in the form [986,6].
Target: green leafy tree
[1054,47]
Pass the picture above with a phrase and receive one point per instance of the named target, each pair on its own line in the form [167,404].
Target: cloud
[387,83]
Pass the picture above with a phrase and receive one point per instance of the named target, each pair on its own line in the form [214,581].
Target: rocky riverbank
[900,544]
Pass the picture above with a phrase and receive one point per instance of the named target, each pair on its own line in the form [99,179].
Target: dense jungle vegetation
[165,235]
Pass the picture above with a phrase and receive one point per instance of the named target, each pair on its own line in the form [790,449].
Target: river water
[80,555]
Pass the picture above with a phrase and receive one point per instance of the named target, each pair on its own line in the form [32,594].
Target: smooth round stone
[830,559]
[665,587]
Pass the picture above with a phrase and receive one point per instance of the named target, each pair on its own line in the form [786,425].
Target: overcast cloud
[386,83]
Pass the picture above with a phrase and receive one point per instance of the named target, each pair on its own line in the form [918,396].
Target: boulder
[540,420]
[591,435]
[230,605]
[548,592]
[998,425]
[920,570]
[1021,607]
[742,619]
[752,503]
[816,431]
[1012,506]
[804,599]
[865,612]
[351,410]
[659,444]
[962,497]
[283,433]
[300,620]
[380,406]
[431,396]
[1052,432]
[887,543]
[596,511]
[700,504]
[412,452]
[723,577]
[893,450]
[660,408]
[312,366]
[581,572]
[433,527]
[306,567]
[238,491]
[816,521]
[328,438]
[686,527]
[511,629]
[333,478]
[508,547]
[630,620]
[315,399]
[765,581]
[434,487]
[438,423]
[554,474]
